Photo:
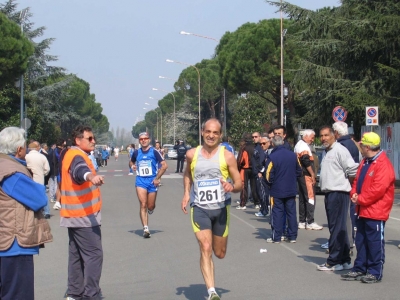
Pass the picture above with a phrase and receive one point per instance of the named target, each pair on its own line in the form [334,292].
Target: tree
[249,59]
[353,60]
[250,114]
[15,50]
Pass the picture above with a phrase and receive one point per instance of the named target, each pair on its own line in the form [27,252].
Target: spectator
[39,166]
[282,171]
[306,182]
[337,167]
[373,193]
[23,228]
[181,151]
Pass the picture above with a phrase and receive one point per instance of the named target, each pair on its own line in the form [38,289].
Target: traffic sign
[371,116]
[339,114]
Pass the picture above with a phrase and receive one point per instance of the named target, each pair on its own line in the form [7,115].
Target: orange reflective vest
[78,200]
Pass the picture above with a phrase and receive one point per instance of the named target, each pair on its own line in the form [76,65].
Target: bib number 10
[145,171]
[209,195]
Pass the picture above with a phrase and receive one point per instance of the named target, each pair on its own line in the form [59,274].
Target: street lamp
[198,73]
[283,32]
[21,82]
[154,89]
[202,36]
[164,77]
[224,106]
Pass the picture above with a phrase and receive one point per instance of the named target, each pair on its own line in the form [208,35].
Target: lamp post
[154,89]
[198,73]
[224,106]
[169,78]
[282,86]
[21,82]
[198,35]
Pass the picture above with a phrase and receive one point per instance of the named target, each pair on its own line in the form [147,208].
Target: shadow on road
[197,291]
[139,232]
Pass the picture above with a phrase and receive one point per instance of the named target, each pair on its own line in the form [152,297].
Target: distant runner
[145,162]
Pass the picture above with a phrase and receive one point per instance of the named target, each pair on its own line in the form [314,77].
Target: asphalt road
[166,266]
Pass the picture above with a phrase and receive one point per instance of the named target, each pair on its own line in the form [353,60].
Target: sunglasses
[264,143]
[255,136]
[90,138]
[143,139]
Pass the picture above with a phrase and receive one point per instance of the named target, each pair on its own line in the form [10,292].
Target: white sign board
[371,116]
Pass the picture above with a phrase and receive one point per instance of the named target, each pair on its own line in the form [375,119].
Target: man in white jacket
[39,166]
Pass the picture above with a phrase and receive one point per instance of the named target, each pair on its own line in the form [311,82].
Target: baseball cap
[144,134]
[370,139]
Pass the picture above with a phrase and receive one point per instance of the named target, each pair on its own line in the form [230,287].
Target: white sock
[211,290]
[145,227]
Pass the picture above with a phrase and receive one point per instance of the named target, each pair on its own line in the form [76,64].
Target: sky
[120,47]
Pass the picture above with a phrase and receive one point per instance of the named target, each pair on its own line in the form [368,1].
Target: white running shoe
[241,207]
[326,267]
[259,214]
[57,205]
[313,226]
[213,296]
[302,225]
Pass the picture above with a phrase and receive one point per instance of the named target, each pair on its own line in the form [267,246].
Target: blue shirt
[143,159]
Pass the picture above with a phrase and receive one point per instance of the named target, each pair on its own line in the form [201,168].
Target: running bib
[209,191]
[145,168]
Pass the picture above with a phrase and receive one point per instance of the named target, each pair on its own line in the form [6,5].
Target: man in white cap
[145,162]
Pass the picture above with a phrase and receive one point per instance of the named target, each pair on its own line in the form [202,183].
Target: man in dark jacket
[281,131]
[282,171]
[181,151]
[257,167]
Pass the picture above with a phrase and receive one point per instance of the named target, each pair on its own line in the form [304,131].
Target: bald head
[34,146]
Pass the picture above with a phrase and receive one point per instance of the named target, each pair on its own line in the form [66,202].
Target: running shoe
[259,214]
[292,241]
[283,238]
[302,225]
[313,226]
[327,267]
[352,276]
[214,296]
[257,206]
[347,266]
[52,200]
[369,278]
[146,234]
[241,207]
[270,240]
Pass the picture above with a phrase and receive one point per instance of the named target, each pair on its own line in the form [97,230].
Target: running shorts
[146,183]
[216,220]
